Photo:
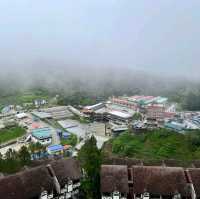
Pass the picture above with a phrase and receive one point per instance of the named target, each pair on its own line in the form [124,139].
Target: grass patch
[11,133]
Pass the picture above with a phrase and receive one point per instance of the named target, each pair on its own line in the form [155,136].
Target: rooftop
[159,180]
[42,115]
[94,106]
[174,126]
[195,177]
[21,115]
[120,114]
[144,100]
[114,177]
[42,133]
[30,183]
[58,112]
[54,148]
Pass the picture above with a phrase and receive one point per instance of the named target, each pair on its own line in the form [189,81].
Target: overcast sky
[161,36]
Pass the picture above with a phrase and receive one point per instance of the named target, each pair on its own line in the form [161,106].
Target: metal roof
[120,114]
[56,147]
[174,126]
[42,133]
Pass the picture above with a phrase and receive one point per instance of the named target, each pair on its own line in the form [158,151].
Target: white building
[42,135]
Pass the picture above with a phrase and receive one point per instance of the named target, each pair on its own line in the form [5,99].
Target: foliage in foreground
[90,160]
[13,161]
[160,144]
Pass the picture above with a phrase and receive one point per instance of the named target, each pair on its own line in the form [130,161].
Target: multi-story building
[152,107]
[90,109]
[124,101]
[145,182]
[58,180]
[155,111]
[42,135]
[39,102]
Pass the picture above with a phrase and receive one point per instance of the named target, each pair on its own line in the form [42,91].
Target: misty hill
[74,86]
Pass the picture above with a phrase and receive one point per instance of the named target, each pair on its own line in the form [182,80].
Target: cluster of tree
[90,161]
[77,98]
[191,101]
[159,144]
[37,150]
[137,116]
[13,161]
[187,96]
[71,140]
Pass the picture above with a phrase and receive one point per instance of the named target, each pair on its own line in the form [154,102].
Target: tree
[24,156]
[137,116]
[90,160]
[1,161]
[71,140]
[11,163]
[192,101]
[11,154]
[32,149]
[36,149]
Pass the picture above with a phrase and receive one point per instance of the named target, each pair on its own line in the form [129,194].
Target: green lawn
[160,144]
[11,133]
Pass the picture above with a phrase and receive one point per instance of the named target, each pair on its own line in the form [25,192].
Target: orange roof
[67,146]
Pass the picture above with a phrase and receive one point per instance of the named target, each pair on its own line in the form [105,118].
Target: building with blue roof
[42,135]
[55,149]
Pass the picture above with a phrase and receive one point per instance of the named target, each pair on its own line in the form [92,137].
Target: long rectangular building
[56,180]
[152,107]
[145,182]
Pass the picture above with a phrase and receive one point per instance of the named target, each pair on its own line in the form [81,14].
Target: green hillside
[160,144]
[21,97]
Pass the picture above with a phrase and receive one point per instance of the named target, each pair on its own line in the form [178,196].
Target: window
[70,186]
[116,195]
[44,195]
